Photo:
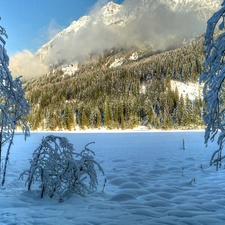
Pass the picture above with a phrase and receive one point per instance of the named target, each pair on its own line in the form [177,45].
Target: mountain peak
[109,10]
[111,6]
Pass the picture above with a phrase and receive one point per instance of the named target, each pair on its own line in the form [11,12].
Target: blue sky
[31,23]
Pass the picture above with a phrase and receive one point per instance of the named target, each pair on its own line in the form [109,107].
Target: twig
[183,145]
[193,180]
[105,181]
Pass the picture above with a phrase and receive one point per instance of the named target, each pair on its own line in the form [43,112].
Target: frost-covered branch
[3,33]
[58,172]
[13,105]
[213,76]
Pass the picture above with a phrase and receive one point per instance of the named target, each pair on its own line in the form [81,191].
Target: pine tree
[107,115]
[180,111]
[122,122]
[84,119]
[116,116]
[69,117]
[99,119]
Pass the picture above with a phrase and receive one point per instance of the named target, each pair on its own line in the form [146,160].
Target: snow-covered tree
[61,171]
[13,105]
[213,75]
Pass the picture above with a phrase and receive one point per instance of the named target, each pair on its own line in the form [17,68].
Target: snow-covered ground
[117,62]
[70,69]
[192,89]
[150,180]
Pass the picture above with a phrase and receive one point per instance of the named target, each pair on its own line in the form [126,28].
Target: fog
[157,26]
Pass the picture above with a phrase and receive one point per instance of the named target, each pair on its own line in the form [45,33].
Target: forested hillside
[136,93]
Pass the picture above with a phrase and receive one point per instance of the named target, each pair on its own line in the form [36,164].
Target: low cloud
[89,40]
[27,65]
[53,29]
[162,25]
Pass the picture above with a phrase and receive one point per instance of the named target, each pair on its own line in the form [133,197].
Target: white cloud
[26,64]
[46,33]
[53,29]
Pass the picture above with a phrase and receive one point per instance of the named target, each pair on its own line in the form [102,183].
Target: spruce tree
[107,114]
[122,122]
[84,120]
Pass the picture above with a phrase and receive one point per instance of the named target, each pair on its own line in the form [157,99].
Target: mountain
[124,66]
[137,22]
[203,8]
[147,89]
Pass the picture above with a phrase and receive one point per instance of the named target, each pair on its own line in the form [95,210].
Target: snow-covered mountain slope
[194,5]
[193,90]
[204,8]
[136,21]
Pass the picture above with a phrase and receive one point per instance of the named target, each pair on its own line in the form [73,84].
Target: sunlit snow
[117,62]
[192,89]
[150,180]
[70,69]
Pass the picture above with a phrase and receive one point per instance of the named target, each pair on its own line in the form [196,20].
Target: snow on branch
[13,106]
[213,76]
[59,173]
[3,33]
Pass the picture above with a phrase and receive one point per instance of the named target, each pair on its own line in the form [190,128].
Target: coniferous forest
[135,93]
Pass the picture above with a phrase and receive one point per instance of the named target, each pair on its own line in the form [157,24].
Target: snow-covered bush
[213,75]
[60,171]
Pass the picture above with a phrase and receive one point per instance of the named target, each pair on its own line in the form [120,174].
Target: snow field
[150,180]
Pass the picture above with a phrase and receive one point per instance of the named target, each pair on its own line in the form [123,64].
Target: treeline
[137,93]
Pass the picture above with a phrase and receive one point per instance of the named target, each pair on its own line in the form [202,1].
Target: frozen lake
[150,180]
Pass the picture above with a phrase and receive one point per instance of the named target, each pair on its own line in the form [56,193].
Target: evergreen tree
[116,116]
[69,117]
[108,117]
[84,123]
[99,119]
[122,122]
[180,112]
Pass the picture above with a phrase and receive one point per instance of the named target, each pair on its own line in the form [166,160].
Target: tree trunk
[7,158]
